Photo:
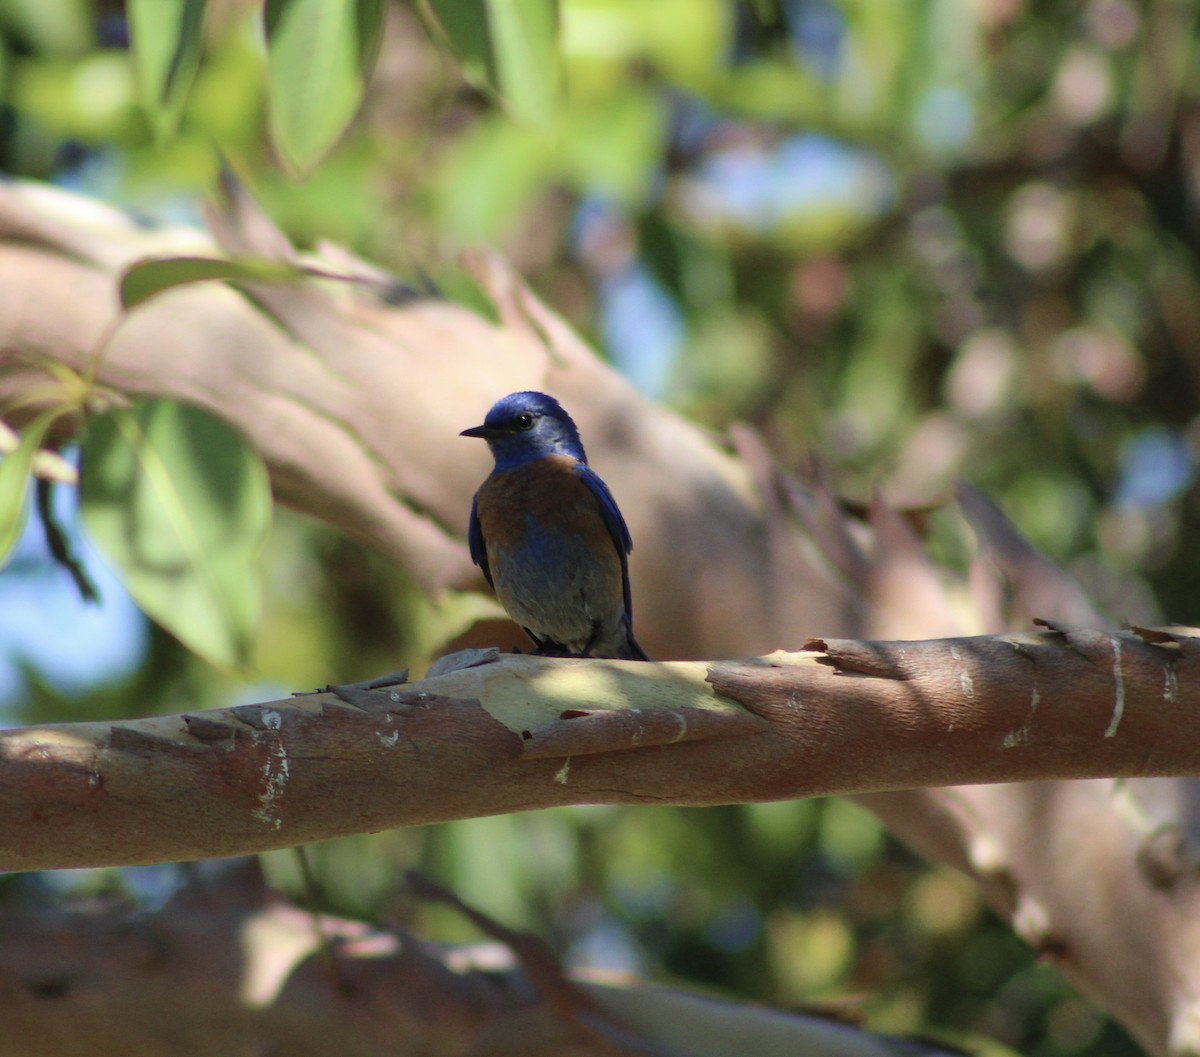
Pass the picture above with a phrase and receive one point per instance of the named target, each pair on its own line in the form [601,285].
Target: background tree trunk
[355,404]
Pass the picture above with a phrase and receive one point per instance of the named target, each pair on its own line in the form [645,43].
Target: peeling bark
[536,732]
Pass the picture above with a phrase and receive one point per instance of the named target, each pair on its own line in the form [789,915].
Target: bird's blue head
[523,427]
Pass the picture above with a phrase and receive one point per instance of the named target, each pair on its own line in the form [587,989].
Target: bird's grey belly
[556,589]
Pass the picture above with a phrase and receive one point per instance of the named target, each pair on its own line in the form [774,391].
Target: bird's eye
[524,421]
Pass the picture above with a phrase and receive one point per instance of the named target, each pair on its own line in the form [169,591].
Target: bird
[548,534]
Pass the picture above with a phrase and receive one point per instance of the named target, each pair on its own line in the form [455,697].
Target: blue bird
[548,536]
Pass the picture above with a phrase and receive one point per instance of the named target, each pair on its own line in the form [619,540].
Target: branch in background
[234,969]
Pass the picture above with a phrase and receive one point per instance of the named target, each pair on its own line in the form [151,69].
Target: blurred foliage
[924,240]
[181,503]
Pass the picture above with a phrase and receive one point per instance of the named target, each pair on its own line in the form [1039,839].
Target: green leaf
[320,53]
[463,25]
[508,46]
[181,505]
[14,481]
[456,284]
[491,175]
[50,28]
[166,38]
[663,250]
[146,278]
[612,147]
[525,47]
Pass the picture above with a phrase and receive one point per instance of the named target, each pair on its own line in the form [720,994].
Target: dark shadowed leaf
[146,278]
[463,26]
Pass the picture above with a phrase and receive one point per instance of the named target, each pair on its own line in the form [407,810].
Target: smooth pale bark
[356,403]
[514,733]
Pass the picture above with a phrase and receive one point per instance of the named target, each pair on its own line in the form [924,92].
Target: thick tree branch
[355,405]
[231,968]
[515,733]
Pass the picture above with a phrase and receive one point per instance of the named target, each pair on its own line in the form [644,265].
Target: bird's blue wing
[476,544]
[615,524]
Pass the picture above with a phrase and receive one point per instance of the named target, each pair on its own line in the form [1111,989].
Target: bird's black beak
[483,432]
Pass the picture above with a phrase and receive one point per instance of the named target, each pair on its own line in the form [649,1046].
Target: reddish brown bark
[523,732]
[228,968]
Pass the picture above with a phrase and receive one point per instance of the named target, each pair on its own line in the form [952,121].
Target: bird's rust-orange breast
[549,493]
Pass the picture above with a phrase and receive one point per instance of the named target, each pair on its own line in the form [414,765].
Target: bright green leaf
[59,28]
[510,47]
[320,55]
[524,36]
[491,175]
[610,147]
[144,279]
[92,99]
[180,503]
[14,481]
[165,37]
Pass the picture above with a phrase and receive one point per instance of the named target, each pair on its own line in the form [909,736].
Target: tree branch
[232,968]
[516,733]
[355,405]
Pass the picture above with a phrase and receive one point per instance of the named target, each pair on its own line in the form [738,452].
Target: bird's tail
[631,651]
